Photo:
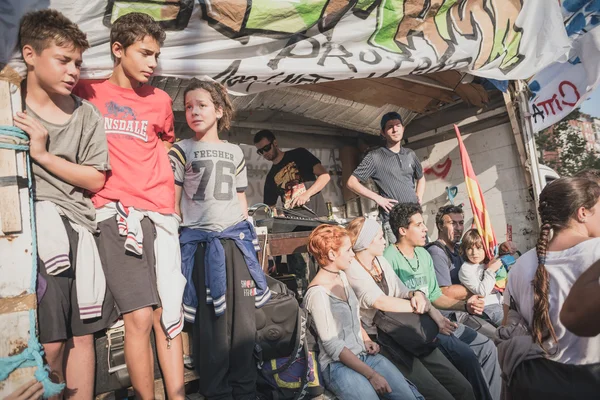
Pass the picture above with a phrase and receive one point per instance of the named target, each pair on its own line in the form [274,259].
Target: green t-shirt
[417,273]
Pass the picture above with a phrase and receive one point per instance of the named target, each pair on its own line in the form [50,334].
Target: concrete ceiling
[343,110]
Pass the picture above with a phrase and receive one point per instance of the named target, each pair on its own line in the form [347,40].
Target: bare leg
[138,352]
[54,357]
[170,359]
[80,363]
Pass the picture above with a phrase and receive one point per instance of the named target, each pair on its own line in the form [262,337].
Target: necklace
[408,262]
[377,276]
[331,272]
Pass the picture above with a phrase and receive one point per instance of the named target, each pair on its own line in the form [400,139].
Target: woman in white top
[377,287]
[540,280]
[352,368]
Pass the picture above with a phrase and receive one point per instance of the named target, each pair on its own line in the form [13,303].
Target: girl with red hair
[351,364]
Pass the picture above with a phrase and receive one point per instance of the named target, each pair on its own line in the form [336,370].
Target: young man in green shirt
[414,266]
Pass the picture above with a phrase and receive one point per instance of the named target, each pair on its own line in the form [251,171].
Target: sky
[592,105]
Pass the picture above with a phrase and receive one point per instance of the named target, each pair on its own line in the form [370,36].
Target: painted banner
[561,87]
[481,217]
[252,46]
[556,90]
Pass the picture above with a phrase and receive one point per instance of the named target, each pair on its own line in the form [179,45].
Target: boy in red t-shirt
[136,207]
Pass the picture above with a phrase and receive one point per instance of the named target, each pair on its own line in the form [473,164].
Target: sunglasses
[265,149]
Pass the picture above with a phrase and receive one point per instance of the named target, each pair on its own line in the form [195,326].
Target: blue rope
[15,139]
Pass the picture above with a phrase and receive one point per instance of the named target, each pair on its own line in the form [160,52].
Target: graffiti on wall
[440,170]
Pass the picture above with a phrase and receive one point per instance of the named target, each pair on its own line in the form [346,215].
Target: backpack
[285,348]
[441,246]
[413,332]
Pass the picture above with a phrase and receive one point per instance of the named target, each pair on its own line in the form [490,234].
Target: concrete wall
[495,160]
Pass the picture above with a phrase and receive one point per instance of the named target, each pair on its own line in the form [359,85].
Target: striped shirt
[394,174]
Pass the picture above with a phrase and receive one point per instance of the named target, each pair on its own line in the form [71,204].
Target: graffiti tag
[440,170]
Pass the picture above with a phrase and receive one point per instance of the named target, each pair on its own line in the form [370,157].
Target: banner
[561,87]
[251,46]
[480,214]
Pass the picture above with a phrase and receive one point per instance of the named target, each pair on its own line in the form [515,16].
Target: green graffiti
[389,16]
[284,16]
[507,38]
[441,19]
[437,23]
[364,5]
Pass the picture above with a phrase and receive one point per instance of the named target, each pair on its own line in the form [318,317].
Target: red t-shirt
[135,121]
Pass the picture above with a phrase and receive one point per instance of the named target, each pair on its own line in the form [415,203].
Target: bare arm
[243,203]
[323,179]
[456,292]
[581,311]
[358,188]
[420,189]
[393,304]
[82,176]
[178,191]
[474,305]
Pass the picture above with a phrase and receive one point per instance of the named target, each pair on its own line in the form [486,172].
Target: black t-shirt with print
[291,177]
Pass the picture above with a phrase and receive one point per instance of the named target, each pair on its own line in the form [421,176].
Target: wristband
[466,309]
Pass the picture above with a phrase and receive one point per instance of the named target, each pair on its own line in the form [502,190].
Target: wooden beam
[466,129]
[10,208]
[451,115]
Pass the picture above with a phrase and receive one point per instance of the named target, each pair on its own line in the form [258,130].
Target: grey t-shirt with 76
[211,175]
[81,140]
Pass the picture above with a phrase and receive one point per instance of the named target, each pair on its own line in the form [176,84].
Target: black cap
[390,116]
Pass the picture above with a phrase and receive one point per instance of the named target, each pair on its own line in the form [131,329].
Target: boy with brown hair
[70,159]
[136,207]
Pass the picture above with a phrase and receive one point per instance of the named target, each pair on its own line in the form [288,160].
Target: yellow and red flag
[480,214]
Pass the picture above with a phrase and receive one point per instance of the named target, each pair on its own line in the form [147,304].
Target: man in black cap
[396,171]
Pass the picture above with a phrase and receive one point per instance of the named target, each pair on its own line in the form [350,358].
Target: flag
[480,214]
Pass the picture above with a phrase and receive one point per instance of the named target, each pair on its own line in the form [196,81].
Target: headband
[366,235]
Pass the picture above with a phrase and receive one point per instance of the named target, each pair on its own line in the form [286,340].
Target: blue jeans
[347,384]
[476,357]
[494,314]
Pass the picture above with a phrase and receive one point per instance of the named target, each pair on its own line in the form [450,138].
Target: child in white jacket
[481,276]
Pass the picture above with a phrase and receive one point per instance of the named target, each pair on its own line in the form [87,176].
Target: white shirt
[368,292]
[480,281]
[564,267]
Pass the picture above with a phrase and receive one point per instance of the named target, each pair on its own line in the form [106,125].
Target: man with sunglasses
[297,177]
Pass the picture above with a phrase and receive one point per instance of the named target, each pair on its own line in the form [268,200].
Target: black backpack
[284,331]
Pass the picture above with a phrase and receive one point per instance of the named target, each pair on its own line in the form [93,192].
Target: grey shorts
[58,313]
[130,277]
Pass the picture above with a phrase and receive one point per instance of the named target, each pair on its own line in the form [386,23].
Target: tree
[568,141]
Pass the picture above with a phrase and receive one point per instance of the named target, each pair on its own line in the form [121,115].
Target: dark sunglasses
[265,149]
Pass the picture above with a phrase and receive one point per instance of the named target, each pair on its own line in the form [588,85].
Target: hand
[420,199]
[419,303]
[386,204]
[380,384]
[508,248]
[372,347]
[32,390]
[475,305]
[446,327]
[300,200]
[494,265]
[38,135]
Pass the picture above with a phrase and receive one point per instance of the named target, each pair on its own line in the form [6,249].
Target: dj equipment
[291,224]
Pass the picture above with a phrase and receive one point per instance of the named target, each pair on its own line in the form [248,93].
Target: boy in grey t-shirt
[70,159]
[211,175]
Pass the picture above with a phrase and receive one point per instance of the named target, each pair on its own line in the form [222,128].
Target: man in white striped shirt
[396,171]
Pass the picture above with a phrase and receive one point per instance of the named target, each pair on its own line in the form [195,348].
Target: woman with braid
[558,364]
